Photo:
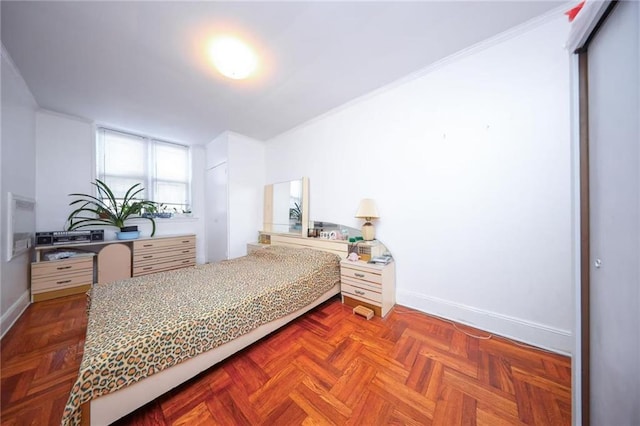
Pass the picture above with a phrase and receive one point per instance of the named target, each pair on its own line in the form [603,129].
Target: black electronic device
[44,238]
[97,235]
[69,237]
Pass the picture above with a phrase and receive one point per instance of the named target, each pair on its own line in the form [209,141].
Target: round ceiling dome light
[232,57]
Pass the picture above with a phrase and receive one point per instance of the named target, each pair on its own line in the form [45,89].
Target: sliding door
[614,224]
[217,213]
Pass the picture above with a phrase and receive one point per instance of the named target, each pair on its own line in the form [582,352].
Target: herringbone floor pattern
[328,367]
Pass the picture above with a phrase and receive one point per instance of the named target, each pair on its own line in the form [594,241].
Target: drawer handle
[361,293]
[186,261]
[63,282]
[147,257]
[359,275]
[186,251]
[147,268]
[59,268]
[186,241]
[147,245]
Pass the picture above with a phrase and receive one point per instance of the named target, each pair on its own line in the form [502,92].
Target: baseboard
[14,312]
[539,335]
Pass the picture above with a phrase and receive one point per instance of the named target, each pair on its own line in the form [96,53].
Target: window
[163,168]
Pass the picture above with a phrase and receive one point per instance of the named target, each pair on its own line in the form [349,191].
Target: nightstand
[368,284]
[255,246]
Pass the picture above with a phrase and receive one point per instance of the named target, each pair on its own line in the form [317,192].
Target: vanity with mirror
[286,219]
[364,285]
[286,207]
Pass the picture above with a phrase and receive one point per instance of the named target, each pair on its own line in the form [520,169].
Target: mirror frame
[267,215]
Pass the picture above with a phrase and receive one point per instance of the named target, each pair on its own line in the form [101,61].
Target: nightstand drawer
[361,292]
[359,283]
[360,274]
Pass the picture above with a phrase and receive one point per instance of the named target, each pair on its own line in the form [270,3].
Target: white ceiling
[140,66]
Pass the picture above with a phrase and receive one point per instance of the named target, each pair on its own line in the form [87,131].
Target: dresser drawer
[61,274]
[360,274]
[166,254]
[159,244]
[73,279]
[154,267]
[163,254]
[361,292]
[45,270]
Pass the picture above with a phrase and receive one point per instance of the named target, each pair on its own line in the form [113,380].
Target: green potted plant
[150,211]
[106,209]
[163,211]
[295,214]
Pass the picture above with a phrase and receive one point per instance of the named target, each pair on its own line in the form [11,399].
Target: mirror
[286,207]
[341,232]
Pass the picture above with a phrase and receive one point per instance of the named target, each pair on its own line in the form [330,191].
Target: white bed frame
[111,407]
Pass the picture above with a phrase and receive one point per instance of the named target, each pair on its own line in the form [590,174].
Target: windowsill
[174,219]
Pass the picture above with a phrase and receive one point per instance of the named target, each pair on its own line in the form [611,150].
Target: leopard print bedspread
[143,325]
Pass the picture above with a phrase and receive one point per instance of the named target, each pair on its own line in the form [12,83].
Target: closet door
[217,213]
[614,164]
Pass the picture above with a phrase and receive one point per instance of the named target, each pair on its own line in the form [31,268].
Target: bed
[144,337]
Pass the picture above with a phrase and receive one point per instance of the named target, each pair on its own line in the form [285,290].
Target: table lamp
[367,210]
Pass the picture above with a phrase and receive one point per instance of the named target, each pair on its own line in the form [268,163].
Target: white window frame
[148,177]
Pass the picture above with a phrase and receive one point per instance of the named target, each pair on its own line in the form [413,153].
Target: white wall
[66,164]
[17,175]
[469,164]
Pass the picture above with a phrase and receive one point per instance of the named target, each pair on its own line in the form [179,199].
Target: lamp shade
[367,209]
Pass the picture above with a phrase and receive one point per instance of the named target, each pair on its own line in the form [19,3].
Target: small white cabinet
[369,285]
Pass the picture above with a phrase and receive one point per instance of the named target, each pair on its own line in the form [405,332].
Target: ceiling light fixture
[232,57]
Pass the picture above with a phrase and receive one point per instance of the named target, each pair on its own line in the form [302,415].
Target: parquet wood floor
[328,367]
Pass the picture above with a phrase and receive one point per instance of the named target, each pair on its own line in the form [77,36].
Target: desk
[116,259]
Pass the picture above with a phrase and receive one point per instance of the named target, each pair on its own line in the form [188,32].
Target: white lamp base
[368,232]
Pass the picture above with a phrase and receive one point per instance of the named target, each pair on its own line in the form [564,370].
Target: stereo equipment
[69,237]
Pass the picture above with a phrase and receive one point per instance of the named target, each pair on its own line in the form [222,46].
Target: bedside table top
[361,264]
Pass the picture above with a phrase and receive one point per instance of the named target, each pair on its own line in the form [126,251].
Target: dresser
[57,278]
[369,285]
[163,254]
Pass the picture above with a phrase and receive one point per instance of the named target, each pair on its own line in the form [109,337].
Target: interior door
[614,192]
[217,213]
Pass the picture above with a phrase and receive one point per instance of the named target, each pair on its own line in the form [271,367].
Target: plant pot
[128,235]
[133,228]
